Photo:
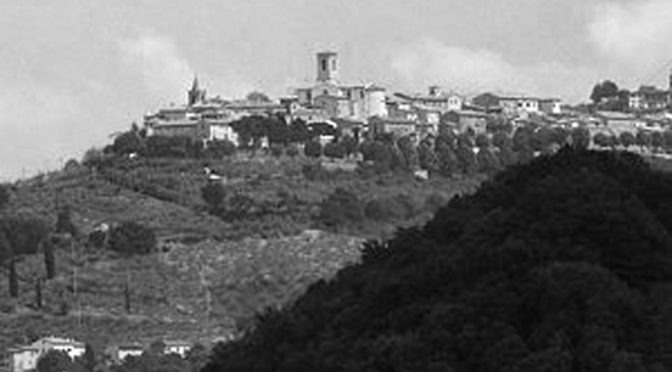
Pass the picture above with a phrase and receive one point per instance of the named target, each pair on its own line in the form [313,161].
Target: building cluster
[25,358]
[355,108]
[369,108]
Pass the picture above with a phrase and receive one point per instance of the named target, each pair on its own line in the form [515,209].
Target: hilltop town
[369,110]
[178,234]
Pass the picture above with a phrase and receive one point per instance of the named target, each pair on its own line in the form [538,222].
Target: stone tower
[327,67]
[195,94]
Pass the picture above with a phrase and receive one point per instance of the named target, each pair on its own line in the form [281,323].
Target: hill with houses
[210,212]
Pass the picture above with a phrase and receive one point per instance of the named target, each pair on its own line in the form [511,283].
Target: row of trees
[251,131]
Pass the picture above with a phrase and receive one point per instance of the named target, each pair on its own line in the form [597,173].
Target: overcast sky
[74,71]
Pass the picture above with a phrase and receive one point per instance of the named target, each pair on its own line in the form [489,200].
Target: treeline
[563,263]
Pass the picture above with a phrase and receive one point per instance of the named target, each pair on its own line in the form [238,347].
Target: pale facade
[25,358]
[515,106]
[354,102]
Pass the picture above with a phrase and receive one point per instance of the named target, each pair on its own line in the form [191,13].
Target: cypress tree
[49,260]
[13,279]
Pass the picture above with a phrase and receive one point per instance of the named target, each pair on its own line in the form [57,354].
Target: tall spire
[194,85]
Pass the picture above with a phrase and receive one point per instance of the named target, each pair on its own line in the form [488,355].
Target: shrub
[292,151]
[341,207]
[220,148]
[132,238]
[334,150]
[313,149]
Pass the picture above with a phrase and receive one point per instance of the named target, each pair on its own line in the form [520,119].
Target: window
[333,64]
[324,65]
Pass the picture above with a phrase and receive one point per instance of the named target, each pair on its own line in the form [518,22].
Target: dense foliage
[132,238]
[562,264]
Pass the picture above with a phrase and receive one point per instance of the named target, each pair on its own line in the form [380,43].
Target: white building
[354,102]
[180,348]
[25,358]
[517,105]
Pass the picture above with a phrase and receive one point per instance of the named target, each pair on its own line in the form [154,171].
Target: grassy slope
[170,290]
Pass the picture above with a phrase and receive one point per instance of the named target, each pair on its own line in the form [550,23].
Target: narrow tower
[195,94]
[327,67]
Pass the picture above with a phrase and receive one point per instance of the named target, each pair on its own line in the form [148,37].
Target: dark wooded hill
[562,264]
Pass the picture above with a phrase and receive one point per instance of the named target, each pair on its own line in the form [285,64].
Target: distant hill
[561,264]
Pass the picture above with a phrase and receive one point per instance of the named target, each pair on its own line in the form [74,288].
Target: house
[463,120]
[618,122]
[519,105]
[402,127]
[356,102]
[116,354]
[649,98]
[25,358]
[178,347]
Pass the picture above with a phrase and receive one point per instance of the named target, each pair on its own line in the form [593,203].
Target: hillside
[197,292]
[210,276]
[562,264]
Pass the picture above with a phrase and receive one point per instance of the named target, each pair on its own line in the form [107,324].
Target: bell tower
[327,67]
[195,94]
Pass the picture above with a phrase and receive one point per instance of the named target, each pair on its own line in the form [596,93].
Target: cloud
[164,71]
[472,71]
[633,35]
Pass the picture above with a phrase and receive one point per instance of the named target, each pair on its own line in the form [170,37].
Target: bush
[334,150]
[292,151]
[132,238]
[313,149]
[276,150]
[341,207]
[220,148]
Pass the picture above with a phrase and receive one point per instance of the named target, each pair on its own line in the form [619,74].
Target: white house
[25,358]
[180,348]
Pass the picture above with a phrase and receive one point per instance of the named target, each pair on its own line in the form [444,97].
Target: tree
[427,157]
[482,140]
[38,293]
[449,164]
[49,259]
[502,140]
[13,279]
[132,238]
[627,139]
[644,138]
[602,139]
[667,140]
[198,357]
[657,140]
[334,150]
[64,224]
[54,361]
[87,361]
[220,148]
[341,207]
[256,96]
[467,159]
[349,143]
[4,195]
[409,153]
[214,193]
[605,89]
[487,161]
[580,138]
[127,143]
[313,149]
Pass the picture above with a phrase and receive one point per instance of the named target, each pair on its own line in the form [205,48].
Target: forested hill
[562,264]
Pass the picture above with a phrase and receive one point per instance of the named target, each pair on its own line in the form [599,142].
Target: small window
[324,65]
[333,64]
